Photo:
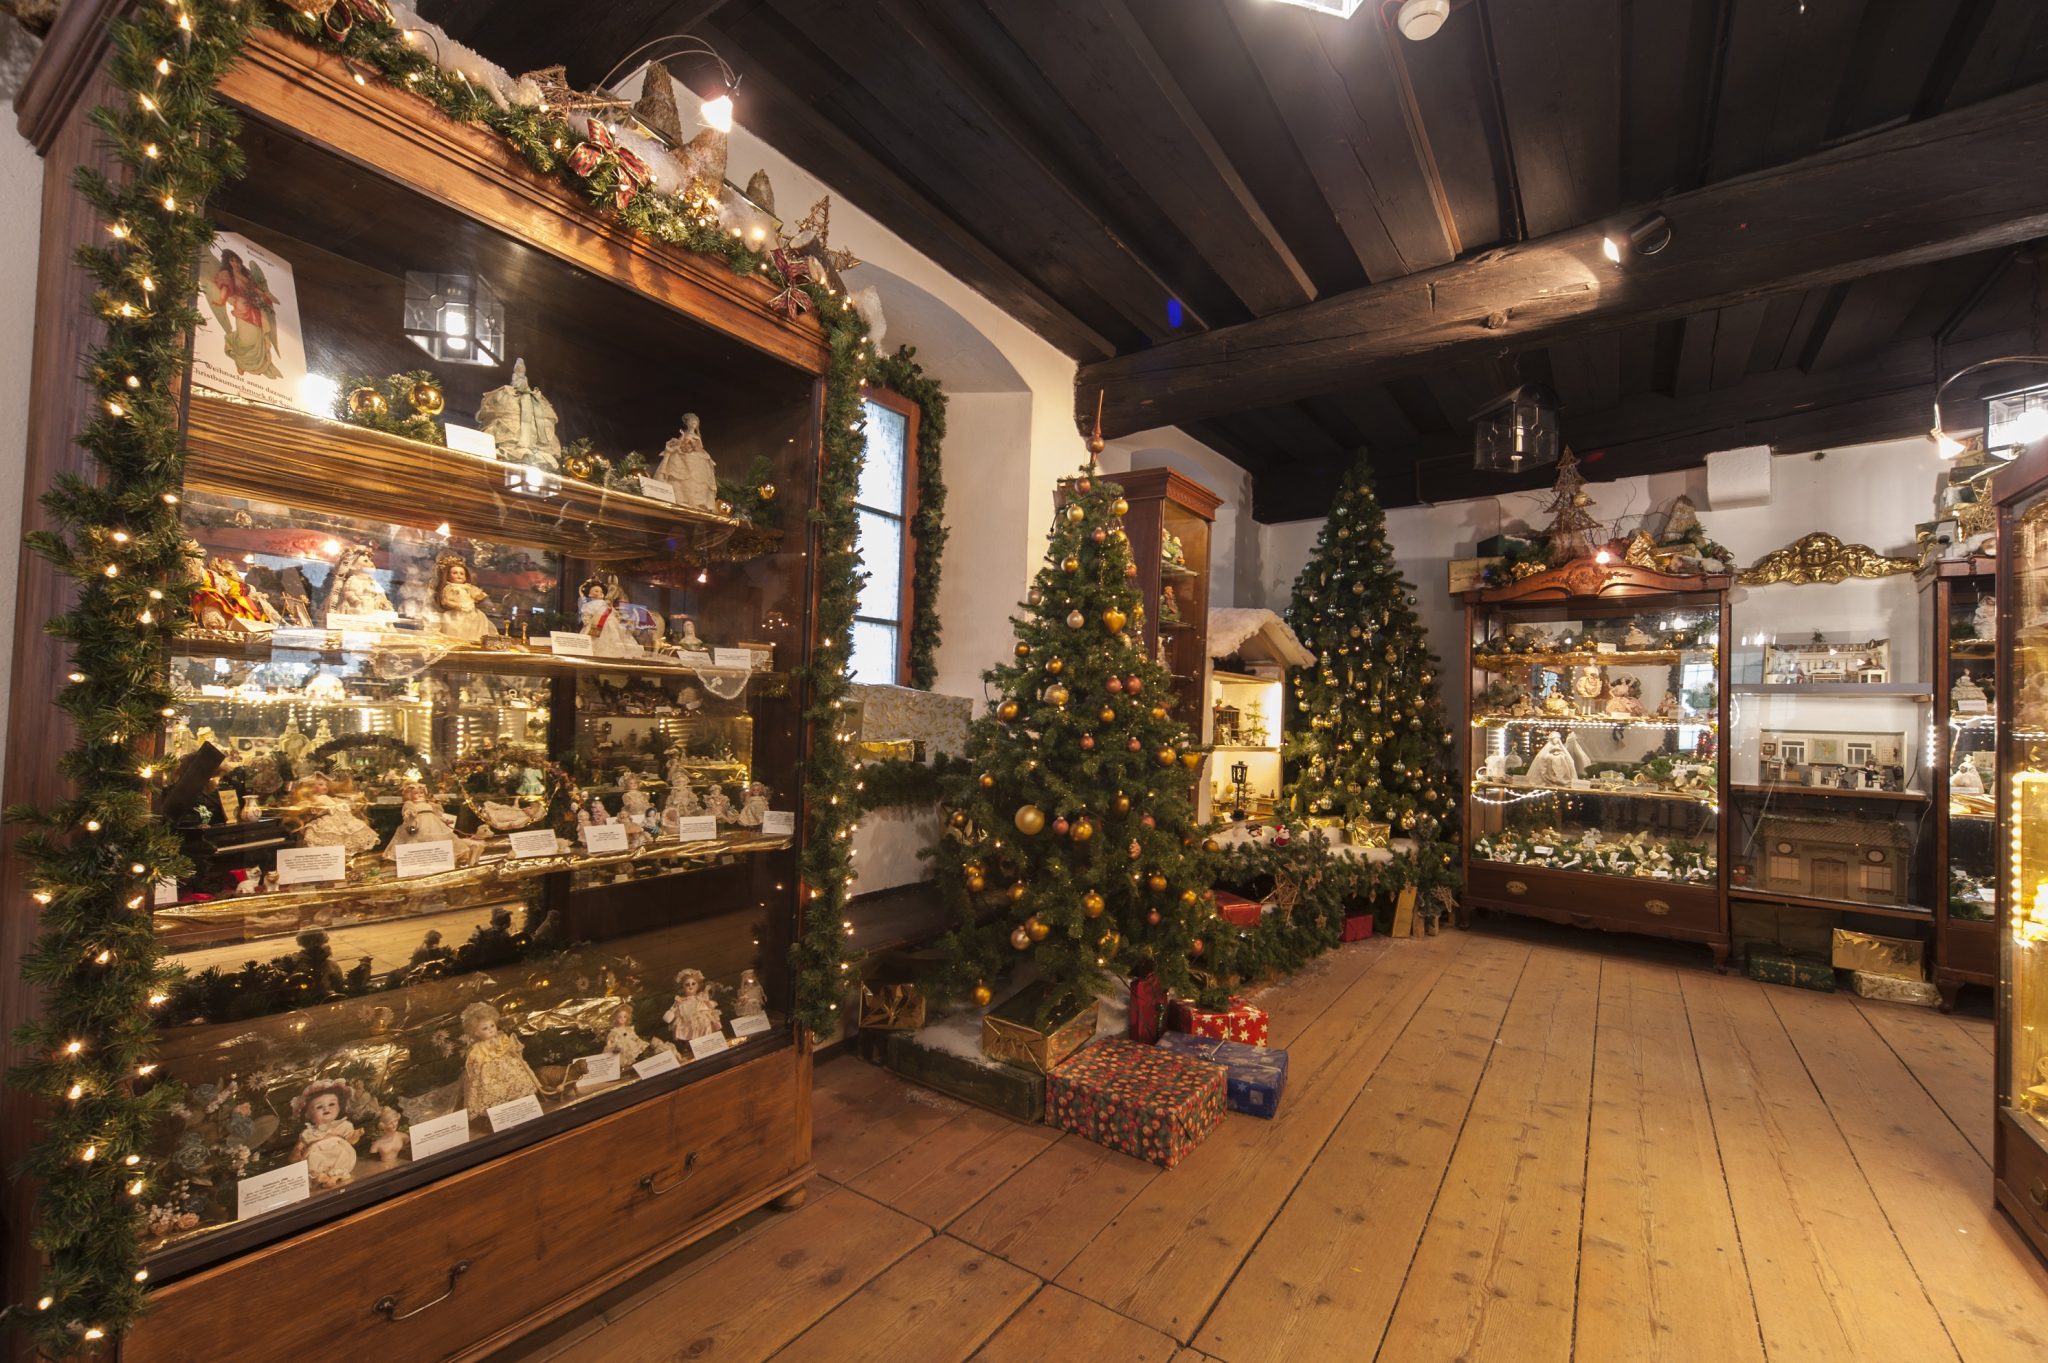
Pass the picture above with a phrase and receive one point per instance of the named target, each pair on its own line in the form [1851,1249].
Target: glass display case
[485,753]
[1169,523]
[2020,1148]
[1246,713]
[1959,603]
[1595,780]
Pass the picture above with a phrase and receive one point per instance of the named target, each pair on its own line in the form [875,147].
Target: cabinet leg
[1948,989]
[1720,957]
[791,1200]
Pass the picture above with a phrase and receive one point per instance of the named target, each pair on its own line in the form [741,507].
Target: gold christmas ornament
[766,492]
[1114,620]
[1008,710]
[1057,694]
[1120,507]
[985,781]
[1021,940]
[1084,829]
[1016,891]
[1076,514]
[1075,619]
[1122,803]
[1070,564]
[976,882]
[1039,931]
[426,398]
[1191,760]
[983,995]
[1159,712]
[366,401]
[1166,756]
[1211,845]
[1092,904]
[1055,666]
[1023,650]
[1030,820]
[1157,882]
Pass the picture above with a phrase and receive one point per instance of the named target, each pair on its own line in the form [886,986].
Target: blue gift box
[1255,1076]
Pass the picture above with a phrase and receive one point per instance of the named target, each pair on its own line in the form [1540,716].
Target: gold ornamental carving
[1820,557]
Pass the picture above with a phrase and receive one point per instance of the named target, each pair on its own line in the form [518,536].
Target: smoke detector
[1421,19]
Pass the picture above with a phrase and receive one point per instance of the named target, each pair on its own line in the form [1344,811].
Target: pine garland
[92,856]
[901,373]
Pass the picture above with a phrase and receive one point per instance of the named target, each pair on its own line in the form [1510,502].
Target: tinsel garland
[91,858]
[901,373]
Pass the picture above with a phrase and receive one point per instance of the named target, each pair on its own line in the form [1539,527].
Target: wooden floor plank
[1200,1222]
[795,1271]
[937,1304]
[1661,1275]
[1048,1211]
[1946,1060]
[1828,1276]
[1324,1278]
[1984,1281]
[1059,1325]
[946,1172]
[861,1115]
[1493,1277]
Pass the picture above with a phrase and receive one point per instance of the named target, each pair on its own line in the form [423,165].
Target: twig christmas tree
[1574,530]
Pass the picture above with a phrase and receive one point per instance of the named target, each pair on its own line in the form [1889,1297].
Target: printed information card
[572,643]
[602,1068]
[513,1112]
[261,1193]
[310,865]
[534,842]
[604,837]
[704,1047]
[657,1062]
[779,823]
[697,828]
[657,489]
[424,858]
[442,1133]
[750,1024]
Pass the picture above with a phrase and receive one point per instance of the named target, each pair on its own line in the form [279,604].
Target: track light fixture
[1646,238]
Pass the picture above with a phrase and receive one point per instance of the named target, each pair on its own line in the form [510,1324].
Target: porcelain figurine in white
[688,468]
[750,997]
[458,602]
[1552,765]
[522,422]
[605,624]
[389,1142]
[494,1070]
[693,1014]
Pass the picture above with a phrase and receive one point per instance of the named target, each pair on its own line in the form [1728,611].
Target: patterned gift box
[1012,1033]
[1899,957]
[1236,910]
[1239,1022]
[1797,971]
[1141,1100]
[891,1007]
[1891,989]
[1254,1077]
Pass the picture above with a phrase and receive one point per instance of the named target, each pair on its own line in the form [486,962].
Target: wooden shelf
[1798,901]
[1502,662]
[1829,792]
[1592,722]
[440,654]
[1243,747]
[1891,690]
[1704,798]
[238,447]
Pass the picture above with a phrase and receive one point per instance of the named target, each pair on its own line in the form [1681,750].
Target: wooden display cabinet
[1164,502]
[1619,828]
[1955,595]
[452,1252]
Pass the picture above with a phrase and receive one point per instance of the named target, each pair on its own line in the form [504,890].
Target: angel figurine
[458,602]
[422,819]
[353,588]
[327,1143]
[332,822]
[687,466]
[494,1069]
[694,1013]
[604,623]
[522,422]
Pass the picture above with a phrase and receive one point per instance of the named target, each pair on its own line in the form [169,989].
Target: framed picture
[247,343]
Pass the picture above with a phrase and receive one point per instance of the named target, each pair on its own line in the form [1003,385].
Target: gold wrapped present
[1364,834]
[1866,951]
[888,750]
[1011,1032]
[891,1007]
[1891,989]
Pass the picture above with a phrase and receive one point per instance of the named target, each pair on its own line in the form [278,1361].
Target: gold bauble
[1083,830]
[1166,756]
[1122,803]
[1120,507]
[1188,898]
[976,882]
[983,995]
[427,398]
[1075,619]
[1016,892]
[579,465]
[1076,514]
[1023,650]
[367,401]
[1030,820]
[1055,666]
[1211,845]
[1071,564]
[1021,940]
[1008,710]
[1038,931]
[1107,715]
[766,492]
[1057,694]
[985,781]
[1159,712]
[1114,620]
[1157,882]
[1092,904]
[1191,760]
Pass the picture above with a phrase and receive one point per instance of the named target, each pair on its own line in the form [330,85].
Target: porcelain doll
[755,809]
[522,422]
[390,1142]
[422,819]
[693,1014]
[688,468]
[592,813]
[1552,765]
[681,799]
[531,786]
[634,802]
[687,639]
[353,589]
[750,997]
[718,804]
[1966,779]
[331,822]
[622,1040]
[494,1070]
[293,742]
[1624,697]
[327,1143]
[458,602]
[604,623]
[1497,767]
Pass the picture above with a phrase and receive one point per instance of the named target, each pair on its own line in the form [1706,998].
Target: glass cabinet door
[2024,772]
[1971,758]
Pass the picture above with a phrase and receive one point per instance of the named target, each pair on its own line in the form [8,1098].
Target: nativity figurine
[1552,766]
[522,422]
[605,623]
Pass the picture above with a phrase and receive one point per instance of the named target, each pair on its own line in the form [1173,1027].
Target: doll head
[480,1022]
[592,589]
[630,781]
[622,1016]
[689,982]
[413,791]
[321,1102]
[387,1120]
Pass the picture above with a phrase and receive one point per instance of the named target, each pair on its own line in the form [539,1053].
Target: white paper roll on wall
[1738,478]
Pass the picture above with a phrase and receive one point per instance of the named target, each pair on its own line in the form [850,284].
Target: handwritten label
[604,837]
[570,643]
[599,1069]
[534,842]
[165,892]
[697,828]
[360,640]
[296,637]
[657,1062]
[309,865]
[442,1133]
[738,659]
[704,1047]
[779,823]
[424,858]
[751,1024]
[261,1193]
[513,1112]
[694,658]
[470,440]
[657,489]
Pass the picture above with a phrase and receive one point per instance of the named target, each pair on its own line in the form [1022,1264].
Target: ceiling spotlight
[1419,19]
[1646,238]
[718,113]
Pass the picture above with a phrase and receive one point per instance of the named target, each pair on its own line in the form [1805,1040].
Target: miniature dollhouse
[1854,860]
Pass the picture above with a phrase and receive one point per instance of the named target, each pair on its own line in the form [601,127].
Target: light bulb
[718,113]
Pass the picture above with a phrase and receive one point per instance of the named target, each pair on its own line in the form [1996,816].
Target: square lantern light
[1518,432]
[2013,421]
[456,318]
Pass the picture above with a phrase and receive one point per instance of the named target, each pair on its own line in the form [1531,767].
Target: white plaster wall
[21,201]
[1234,538]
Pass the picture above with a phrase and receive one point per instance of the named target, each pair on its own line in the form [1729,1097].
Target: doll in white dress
[1552,765]
[687,466]
[635,804]
[693,1014]
[755,809]
[458,602]
[625,1042]
[494,1070]
[327,1143]
[353,589]
[422,819]
[331,822]
[604,623]
[718,804]
[750,997]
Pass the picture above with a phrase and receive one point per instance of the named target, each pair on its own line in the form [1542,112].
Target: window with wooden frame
[884,504]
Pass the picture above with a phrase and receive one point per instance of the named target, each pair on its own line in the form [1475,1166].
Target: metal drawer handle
[1518,887]
[689,1172]
[387,1306]
[1657,906]
[2038,1194]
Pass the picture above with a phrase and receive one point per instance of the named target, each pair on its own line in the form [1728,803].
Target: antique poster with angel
[247,342]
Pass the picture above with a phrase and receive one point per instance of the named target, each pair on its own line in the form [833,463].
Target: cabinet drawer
[1970,949]
[1614,903]
[532,1232]
[2022,1166]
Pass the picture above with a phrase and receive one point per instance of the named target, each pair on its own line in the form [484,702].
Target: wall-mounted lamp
[1646,238]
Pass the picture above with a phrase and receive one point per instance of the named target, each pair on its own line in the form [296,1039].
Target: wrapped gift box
[1013,1033]
[1148,1006]
[891,1007]
[1239,1022]
[1357,926]
[1891,989]
[1235,909]
[1798,971]
[1144,1101]
[1898,957]
[1254,1077]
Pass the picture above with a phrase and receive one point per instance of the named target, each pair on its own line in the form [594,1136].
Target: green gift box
[1798,971]
[1146,1102]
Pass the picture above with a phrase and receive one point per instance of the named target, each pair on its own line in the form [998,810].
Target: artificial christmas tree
[1071,838]
[1370,745]
[1573,532]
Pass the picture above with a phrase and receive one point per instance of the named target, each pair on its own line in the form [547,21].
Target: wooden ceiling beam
[1927,191]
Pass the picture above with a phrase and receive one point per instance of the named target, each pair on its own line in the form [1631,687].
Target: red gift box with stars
[1241,1021]
[1146,1102]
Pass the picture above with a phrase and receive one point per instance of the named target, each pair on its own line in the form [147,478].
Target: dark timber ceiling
[1086,163]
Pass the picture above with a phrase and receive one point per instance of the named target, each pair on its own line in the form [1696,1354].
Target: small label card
[779,823]
[599,1069]
[704,1047]
[470,440]
[1972,706]
[1543,849]
[165,892]
[738,659]
[442,1133]
[657,489]
[604,837]
[424,858]
[694,658]
[371,623]
[751,1024]
[572,643]
[513,1112]
[308,865]
[657,1062]
[297,637]
[360,640]
[267,1192]
[697,828]
[534,842]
